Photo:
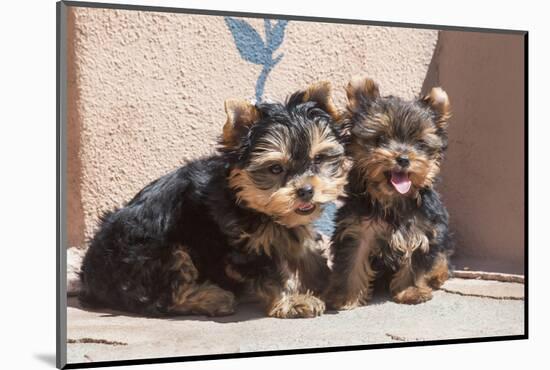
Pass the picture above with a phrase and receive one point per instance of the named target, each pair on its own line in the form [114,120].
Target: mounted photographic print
[236,184]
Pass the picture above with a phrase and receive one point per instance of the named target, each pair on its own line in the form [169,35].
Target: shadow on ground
[248,310]
[47,358]
[462,309]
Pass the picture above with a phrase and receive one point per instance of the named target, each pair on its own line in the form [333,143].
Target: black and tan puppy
[393,222]
[239,220]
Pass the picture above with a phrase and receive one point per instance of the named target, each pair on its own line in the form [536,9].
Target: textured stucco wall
[147,90]
[483,175]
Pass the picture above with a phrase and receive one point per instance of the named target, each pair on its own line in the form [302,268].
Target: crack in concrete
[402,339]
[396,337]
[481,295]
[494,276]
[96,341]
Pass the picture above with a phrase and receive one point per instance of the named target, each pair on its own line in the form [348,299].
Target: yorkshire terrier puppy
[393,223]
[235,222]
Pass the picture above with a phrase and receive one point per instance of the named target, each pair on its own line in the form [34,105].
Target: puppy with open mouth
[393,222]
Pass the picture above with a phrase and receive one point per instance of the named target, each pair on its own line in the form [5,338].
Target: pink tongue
[400,181]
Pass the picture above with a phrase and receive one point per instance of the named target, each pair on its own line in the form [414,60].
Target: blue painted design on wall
[254,49]
[325,223]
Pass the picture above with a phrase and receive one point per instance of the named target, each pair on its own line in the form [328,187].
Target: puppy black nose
[403,160]
[306,193]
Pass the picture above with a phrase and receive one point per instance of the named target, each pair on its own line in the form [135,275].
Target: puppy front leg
[283,301]
[413,282]
[352,275]
[312,267]
[408,286]
[191,297]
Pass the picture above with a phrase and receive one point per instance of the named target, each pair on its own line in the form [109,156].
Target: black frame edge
[526,184]
[290,17]
[161,360]
[61,247]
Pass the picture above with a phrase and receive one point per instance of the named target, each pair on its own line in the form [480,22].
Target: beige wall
[146,93]
[147,90]
[483,182]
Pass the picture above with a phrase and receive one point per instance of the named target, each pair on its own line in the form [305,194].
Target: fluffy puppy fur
[393,222]
[236,221]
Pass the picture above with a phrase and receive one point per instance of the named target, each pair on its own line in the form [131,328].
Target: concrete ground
[464,308]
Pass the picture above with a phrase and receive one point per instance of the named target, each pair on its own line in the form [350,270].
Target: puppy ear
[241,115]
[438,101]
[361,90]
[321,93]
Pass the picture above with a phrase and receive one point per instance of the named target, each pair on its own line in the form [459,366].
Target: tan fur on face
[275,142]
[372,166]
[259,161]
[375,163]
[378,123]
[374,123]
[281,203]
[422,170]
[259,190]
[322,140]
[329,189]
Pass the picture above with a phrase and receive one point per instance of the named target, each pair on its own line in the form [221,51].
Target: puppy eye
[421,144]
[276,169]
[379,140]
[314,113]
[319,158]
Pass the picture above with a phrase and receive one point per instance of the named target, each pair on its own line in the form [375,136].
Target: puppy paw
[296,306]
[340,302]
[413,295]
[223,306]
[206,299]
